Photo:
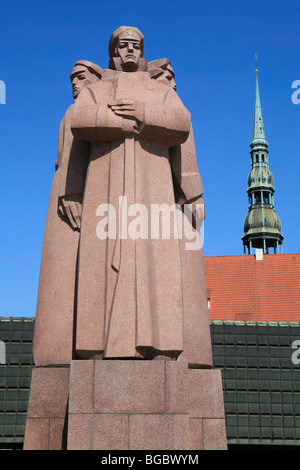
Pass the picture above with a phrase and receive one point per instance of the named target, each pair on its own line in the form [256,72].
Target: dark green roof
[261,384]
[15,376]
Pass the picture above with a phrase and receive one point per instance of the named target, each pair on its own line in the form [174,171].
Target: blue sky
[211,46]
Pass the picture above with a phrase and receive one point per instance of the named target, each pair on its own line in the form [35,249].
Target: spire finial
[258,125]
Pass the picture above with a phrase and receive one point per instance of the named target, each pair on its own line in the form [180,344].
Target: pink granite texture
[208,383]
[138,405]
[127,134]
[206,409]
[214,434]
[125,405]
[127,313]
[54,323]
[47,409]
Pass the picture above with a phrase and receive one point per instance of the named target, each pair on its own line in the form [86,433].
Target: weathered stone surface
[81,387]
[130,405]
[98,432]
[141,404]
[49,393]
[158,432]
[129,387]
[176,387]
[196,434]
[214,434]
[205,393]
[47,415]
[80,428]
[57,433]
[110,432]
[36,434]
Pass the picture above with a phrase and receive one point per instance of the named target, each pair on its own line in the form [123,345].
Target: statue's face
[129,51]
[80,78]
[168,77]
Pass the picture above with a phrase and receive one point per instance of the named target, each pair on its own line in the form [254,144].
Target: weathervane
[256,57]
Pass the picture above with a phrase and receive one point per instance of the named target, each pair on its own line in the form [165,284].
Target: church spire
[262,226]
[258,124]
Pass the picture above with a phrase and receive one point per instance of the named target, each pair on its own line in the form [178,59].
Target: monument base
[126,405]
[47,414]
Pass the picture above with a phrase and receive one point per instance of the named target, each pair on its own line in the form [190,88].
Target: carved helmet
[126,32]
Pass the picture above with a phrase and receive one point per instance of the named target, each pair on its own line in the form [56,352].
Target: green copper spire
[262,226]
[258,136]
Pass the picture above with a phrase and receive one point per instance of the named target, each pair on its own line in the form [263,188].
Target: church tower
[262,226]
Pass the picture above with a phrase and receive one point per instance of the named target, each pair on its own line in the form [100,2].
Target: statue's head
[84,73]
[162,71]
[126,49]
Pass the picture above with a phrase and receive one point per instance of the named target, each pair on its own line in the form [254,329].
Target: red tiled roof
[243,288]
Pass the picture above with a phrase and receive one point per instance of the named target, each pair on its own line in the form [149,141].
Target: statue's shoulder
[67,113]
[160,86]
[96,90]
[93,87]
[163,89]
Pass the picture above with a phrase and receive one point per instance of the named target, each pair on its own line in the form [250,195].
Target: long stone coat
[122,297]
[137,297]
[54,323]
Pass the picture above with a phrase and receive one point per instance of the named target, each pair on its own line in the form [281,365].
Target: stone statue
[123,292]
[54,324]
[74,164]
[162,71]
[122,336]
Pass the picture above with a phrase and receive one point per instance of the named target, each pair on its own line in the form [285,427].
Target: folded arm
[168,124]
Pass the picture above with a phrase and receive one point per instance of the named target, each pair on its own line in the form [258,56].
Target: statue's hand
[130,109]
[70,208]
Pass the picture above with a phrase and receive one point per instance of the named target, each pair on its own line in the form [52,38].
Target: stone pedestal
[145,405]
[46,425]
[126,405]
[206,410]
